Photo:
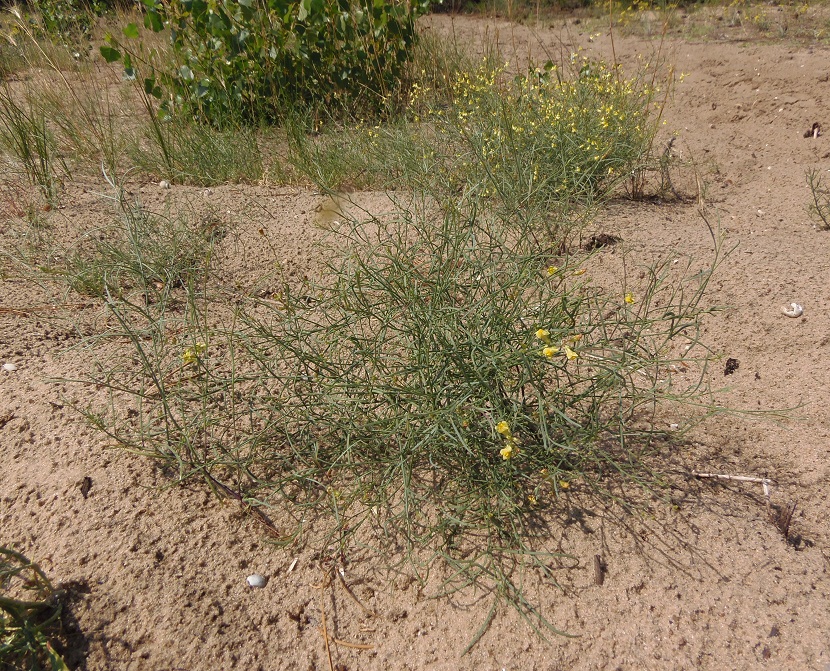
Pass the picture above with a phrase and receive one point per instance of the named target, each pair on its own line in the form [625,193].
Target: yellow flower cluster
[511,443]
[550,351]
[575,130]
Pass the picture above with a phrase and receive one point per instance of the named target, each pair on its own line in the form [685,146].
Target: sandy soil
[157,574]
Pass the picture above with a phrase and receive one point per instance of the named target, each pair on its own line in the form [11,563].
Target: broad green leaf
[150,87]
[152,21]
[110,54]
[130,31]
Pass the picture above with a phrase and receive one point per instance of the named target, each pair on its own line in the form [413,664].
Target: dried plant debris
[814,131]
[782,517]
[731,366]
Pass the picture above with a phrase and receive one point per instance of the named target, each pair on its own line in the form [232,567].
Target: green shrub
[243,60]
[70,19]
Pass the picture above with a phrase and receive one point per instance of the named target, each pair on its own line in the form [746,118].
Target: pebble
[793,310]
[256,580]
[9,367]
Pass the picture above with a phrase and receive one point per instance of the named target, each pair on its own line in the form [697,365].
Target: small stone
[257,580]
[10,367]
[164,184]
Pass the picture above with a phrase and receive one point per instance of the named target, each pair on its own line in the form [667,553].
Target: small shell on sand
[10,367]
[256,580]
[164,184]
[793,310]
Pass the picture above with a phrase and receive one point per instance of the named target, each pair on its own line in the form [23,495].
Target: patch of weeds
[542,142]
[139,251]
[820,207]
[30,615]
[450,371]
[556,137]
[338,158]
[87,120]
[190,153]
[25,135]
[28,240]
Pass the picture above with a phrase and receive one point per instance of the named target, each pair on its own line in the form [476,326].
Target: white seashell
[9,367]
[164,184]
[256,580]
[793,310]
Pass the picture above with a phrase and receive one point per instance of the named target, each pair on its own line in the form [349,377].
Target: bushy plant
[441,384]
[549,137]
[243,60]
[70,19]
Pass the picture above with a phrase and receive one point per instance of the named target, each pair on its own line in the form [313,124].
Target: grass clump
[29,615]
[191,153]
[138,251]
[24,134]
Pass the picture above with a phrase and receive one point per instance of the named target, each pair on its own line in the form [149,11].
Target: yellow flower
[503,428]
[550,352]
[531,499]
[629,298]
[506,452]
[570,353]
[191,354]
[563,484]
[552,270]
[543,335]
[581,271]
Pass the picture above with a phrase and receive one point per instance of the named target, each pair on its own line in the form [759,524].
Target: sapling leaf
[110,54]
[152,21]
